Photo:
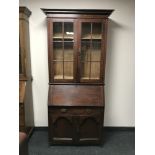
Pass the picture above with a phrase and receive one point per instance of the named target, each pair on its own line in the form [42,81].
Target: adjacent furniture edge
[25,10]
[25,78]
[22,88]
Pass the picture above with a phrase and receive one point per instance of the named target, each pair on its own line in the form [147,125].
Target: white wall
[119,89]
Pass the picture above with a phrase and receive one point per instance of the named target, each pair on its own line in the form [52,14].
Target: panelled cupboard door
[72,129]
[76,50]
[61,129]
[90,129]
[62,50]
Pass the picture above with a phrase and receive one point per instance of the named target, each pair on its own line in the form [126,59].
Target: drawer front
[75,111]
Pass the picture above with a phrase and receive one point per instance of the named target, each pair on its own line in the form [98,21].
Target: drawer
[75,111]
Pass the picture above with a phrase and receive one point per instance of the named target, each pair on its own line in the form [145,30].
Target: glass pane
[57,30]
[57,51]
[85,70]
[85,51]
[68,70]
[58,70]
[95,70]
[96,51]
[68,30]
[68,51]
[86,30]
[96,31]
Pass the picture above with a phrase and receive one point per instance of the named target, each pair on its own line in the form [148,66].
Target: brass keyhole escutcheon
[63,110]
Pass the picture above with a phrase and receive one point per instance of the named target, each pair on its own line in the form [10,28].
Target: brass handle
[88,110]
[63,110]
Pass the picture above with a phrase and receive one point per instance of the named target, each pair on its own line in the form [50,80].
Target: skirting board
[106,128]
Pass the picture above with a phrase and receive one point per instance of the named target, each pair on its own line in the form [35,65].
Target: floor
[116,143]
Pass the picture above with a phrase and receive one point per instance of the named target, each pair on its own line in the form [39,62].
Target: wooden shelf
[94,36]
[91,78]
[59,77]
[61,36]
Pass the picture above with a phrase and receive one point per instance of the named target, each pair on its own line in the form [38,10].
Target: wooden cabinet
[76,58]
[26,118]
[75,114]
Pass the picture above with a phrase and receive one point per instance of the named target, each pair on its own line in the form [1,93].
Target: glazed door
[91,50]
[62,47]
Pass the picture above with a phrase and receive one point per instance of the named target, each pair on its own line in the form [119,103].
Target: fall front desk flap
[75,95]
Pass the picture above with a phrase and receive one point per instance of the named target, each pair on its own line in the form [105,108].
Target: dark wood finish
[78,11]
[105,47]
[26,115]
[77,51]
[77,22]
[80,126]
[24,10]
[75,120]
[22,86]
[24,43]
[103,51]
[50,54]
[88,95]
[50,22]
[76,106]
[26,118]
[81,16]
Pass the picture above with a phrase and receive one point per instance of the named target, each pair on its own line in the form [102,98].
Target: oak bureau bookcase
[76,58]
